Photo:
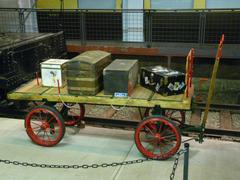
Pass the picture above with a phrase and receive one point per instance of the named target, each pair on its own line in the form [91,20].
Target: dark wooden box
[120,76]
[162,80]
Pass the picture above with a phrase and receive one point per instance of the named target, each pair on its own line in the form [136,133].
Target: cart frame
[153,126]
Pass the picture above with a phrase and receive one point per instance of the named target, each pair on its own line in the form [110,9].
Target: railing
[142,26]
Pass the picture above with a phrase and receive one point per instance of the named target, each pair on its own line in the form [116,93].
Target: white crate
[53,70]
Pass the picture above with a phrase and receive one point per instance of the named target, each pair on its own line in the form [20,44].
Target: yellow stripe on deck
[141,97]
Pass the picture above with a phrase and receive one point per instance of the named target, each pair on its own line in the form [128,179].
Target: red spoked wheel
[175,115]
[157,137]
[72,113]
[45,126]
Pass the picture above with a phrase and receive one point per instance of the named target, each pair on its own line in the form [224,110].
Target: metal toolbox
[162,80]
[120,77]
[52,71]
[84,72]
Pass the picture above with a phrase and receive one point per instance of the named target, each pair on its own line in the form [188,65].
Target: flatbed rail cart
[158,136]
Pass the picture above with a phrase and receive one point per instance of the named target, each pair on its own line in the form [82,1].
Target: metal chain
[84,166]
[175,164]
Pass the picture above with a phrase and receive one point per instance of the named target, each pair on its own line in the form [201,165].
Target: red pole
[188,60]
[37,78]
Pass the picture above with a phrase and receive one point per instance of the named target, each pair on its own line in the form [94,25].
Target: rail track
[224,132]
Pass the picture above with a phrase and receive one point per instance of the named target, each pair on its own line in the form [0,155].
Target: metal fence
[147,26]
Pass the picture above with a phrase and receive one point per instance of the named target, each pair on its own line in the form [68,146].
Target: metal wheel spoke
[149,140]
[164,131]
[167,147]
[50,120]
[36,128]
[40,115]
[49,139]
[44,134]
[160,127]
[169,136]
[155,148]
[39,131]
[36,124]
[161,151]
[149,130]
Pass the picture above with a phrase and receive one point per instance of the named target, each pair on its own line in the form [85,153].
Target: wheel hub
[45,125]
[159,137]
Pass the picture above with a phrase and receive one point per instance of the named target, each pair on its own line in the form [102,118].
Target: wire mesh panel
[9,20]
[55,21]
[126,25]
[218,23]
[50,21]
[133,26]
[175,27]
[103,25]
[72,24]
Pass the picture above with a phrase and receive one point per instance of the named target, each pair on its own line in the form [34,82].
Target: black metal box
[162,80]
[120,77]
[21,54]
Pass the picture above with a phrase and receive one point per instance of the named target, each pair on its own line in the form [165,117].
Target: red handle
[37,78]
[219,51]
[190,58]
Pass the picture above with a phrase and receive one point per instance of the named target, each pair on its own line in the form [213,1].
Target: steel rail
[116,123]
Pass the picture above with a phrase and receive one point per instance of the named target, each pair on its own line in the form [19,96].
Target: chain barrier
[103,165]
[175,164]
[84,166]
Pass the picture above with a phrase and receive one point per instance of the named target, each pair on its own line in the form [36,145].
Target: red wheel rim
[174,115]
[73,115]
[161,142]
[44,127]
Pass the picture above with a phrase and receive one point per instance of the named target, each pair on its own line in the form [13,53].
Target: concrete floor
[212,160]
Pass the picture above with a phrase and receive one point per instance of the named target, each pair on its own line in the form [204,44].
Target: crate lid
[90,57]
[121,65]
[162,71]
[55,61]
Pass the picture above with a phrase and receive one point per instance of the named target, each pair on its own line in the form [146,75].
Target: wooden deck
[141,97]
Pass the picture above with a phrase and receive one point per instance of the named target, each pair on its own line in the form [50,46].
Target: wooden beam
[199,4]
[116,50]
[196,117]
[225,120]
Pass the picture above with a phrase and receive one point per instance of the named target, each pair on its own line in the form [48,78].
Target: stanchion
[184,151]
[186,161]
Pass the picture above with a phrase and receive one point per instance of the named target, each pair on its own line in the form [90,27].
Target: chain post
[186,161]
[184,151]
